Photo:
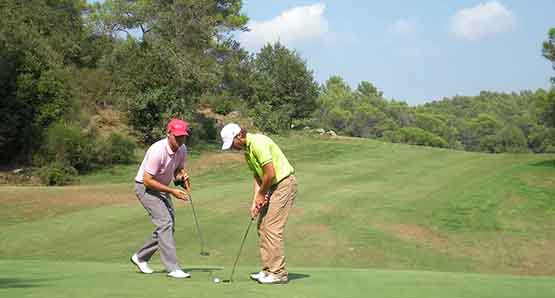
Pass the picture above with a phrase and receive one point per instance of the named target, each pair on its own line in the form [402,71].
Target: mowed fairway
[371,220]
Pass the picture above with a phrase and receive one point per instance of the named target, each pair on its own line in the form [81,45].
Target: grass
[91,279]
[370,217]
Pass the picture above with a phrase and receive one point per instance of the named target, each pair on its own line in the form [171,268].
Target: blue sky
[414,51]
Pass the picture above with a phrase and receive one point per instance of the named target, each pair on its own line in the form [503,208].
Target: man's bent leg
[148,249]
[263,241]
[162,217]
[281,202]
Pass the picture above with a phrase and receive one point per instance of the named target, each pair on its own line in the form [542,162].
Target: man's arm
[268,175]
[261,187]
[181,174]
[151,183]
[255,185]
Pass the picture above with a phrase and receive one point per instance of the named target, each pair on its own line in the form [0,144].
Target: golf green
[371,219]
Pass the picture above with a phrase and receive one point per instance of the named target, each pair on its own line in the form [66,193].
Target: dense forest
[65,64]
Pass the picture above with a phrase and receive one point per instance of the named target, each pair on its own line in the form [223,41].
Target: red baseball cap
[178,127]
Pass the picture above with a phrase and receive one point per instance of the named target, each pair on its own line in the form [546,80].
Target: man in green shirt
[274,190]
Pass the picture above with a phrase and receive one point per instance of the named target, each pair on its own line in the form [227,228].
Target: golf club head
[226,281]
[204,253]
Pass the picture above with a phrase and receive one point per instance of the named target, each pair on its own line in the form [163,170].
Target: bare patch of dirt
[538,258]
[19,176]
[296,211]
[20,204]
[544,181]
[107,121]
[490,253]
[503,253]
[209,161]
[513,201]
[317,235]
[417,234]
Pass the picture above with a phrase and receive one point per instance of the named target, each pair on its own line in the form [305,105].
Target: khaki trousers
[271,226]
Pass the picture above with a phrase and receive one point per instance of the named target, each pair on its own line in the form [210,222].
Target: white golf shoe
[142,266]
[273,279]
[257,275]
[178,273]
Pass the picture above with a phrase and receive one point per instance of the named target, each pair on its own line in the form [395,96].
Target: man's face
[238,142]
[176,141]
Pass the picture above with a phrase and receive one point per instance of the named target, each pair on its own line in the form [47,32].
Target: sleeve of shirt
[263,154]
[184,156]
[152,162]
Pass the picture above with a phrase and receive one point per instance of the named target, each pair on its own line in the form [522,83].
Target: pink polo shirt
[160,162]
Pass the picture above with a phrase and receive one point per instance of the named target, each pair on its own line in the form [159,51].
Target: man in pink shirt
[164,161]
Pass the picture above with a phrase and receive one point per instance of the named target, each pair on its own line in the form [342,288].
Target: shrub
[542,140]
[118,149]
[268,119]
[510,139]
[57,173]
[150,111]
[415,136]
[68,145]
[224,103]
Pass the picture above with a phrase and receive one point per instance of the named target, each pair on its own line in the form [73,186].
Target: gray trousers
[160,209]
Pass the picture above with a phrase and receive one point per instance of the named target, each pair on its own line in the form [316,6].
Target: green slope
[89,279]
[361,204]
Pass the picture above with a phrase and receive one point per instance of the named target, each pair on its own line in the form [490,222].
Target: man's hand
[258,202]
[254,211]
[180,194]
[182,179]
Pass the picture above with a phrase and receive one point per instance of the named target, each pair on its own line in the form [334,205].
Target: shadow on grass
[21,283]
[545,164]
[209,270]
[294,276]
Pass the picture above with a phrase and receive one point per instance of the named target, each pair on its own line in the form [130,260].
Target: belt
[290,174]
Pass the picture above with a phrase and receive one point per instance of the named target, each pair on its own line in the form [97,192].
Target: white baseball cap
[228,133]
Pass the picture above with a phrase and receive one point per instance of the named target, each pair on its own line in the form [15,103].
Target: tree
[548,50]
[38,39]
[436,125]
[510,139]
[284,82]
[365,88]
[369,112]
[546,108]
[184,48]
[482,131]
[368,122]
[334,104]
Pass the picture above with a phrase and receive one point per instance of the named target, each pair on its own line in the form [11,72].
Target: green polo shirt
[260,150]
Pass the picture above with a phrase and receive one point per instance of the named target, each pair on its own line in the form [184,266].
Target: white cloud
[402,27]
[292,27]
[482,20]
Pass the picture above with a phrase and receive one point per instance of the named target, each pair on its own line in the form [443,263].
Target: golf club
[230,280]
[203,252]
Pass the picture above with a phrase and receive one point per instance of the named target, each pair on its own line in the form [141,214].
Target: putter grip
[180,182]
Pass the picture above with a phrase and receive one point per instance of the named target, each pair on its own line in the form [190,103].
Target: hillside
[361,204]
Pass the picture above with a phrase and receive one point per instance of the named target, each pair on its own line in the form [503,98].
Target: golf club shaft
[197,225]
[202,244]
[240,249]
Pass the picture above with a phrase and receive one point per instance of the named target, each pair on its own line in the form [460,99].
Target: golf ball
[216,280]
